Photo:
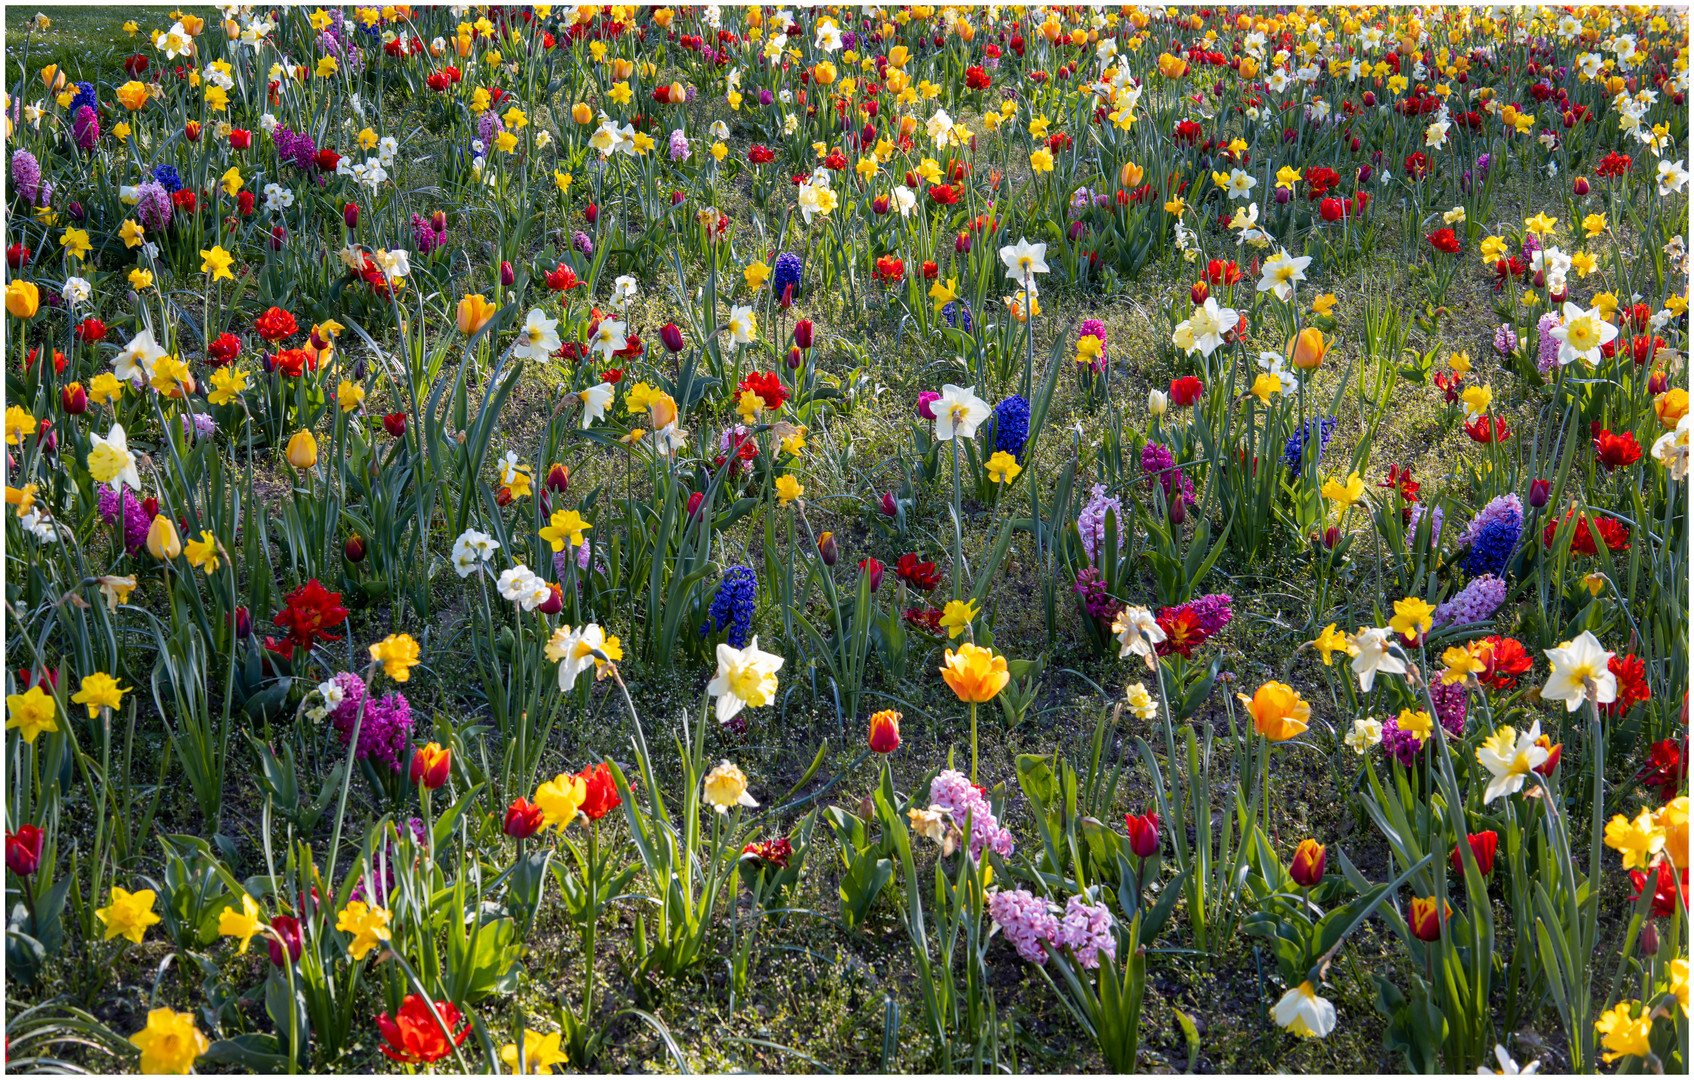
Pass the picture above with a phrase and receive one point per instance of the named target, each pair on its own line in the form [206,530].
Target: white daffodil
[1203,331]
[1583,334]
[594,402]
[740,325]
[745,677]
[1137,632]
[1510,758]
[608,340]
[1282,272]
[538,337]
[1373,657]
[1304,1013]
[958,412]
[137,358]
[1024,260]
[1576,664]
[576,652]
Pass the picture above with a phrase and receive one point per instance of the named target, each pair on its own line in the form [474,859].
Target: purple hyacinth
[581,242]
[1505,340]
[1087,930]
[488,125]
[296,147]
[425,237]
[1435,523]
[1451,707]
[1026,921]
[386,729]
[958,796]
[26,175]
[1547,354]
[1474,603]
[1212,612]
[87,128]
[1402,746]
[1099,603]
[153,206]
[1531,246]
[1091,523]
[116,503]
[1156,460]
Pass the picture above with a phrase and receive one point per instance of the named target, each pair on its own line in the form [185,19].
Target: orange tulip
[1425,917]
[1307,350]
[474,313]
[430,765]
[1307,866]
[974,673]
[1278,711]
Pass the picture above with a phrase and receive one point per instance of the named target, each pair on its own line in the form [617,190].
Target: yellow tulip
[974,673]
[474,313]
[1307,350]
[162,540]
[302,450]
[23,299]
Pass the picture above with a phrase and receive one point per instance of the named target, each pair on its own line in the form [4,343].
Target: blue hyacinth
[1011,425]
[168,178]
[1492,546]
[958,315]
[733,606]
[85,95]
[1294,451]
[786,272]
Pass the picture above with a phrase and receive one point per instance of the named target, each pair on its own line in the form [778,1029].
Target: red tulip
[672,337]
[1186,391]
[430,765]
[523,818]
[1143,833]
[1482,847]
[288,928]
[1424,918]
[602,797]
[414,1037]
[803,333]
[23,850]
[1307,866]
[885,731]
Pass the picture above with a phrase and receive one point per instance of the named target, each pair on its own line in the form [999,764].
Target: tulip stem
[973,742]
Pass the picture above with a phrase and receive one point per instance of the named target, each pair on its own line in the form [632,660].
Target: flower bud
[354,549]
[523,819]
[243,624]
[430,765]
[795,358]
[279,236]
[827,550]
[926,403]
[872,569]
[885,732]
[694,502]
[395,424]
[1157,403]
[1307,867]
[1539,492]
[74,399]
[558,478]
[507,276]
[1178,511]
[803,333]
[1580,186]
[162,540]
[23,850]
[1199,293]
[890,506]
[1370,99]
[302,450]
[879,205]
[1283,195]
[1649,943]
[555,601]
[672,337]
[1143,834]
[350,215]
[286,927]
[1657,383]
[591,213]
[1331,537]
